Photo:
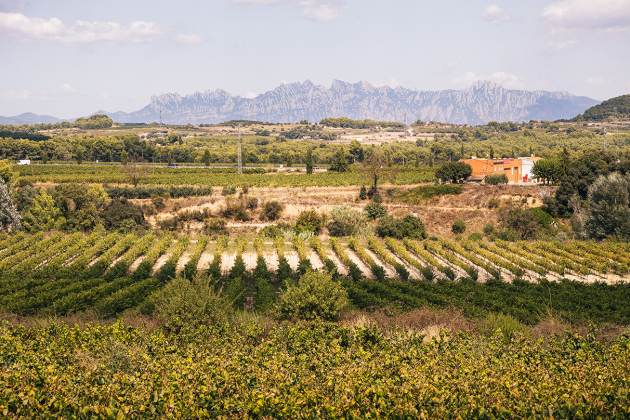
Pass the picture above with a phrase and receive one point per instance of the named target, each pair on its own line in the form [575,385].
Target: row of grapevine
[316,243]
[190,268]
[31,263]
[377,270]
[424,255]
[452,259]
[354,270]
[19,253]
[474,247]
[524,264]
[456,248]
[378,249]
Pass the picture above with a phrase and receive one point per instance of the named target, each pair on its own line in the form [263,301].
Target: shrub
[375,210]
[309,221]
[363,193]
[345,221]
[317,296]
[184,302]
[459,226]
[506,324]
[272,209]
[543,218]
[521,221]
[493,203]
[228,190]
[488,229]
[608,202]
[235,292]
[508,235]
[235,210]
[215,227]
[496,179]
[475,236]
[120,210]
[407,227]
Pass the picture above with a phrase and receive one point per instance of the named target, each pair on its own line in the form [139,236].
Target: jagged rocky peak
[483,101]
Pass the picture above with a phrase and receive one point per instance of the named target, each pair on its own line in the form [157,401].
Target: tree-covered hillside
[606,110]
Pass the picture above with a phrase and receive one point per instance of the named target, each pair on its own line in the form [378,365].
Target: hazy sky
[69,58]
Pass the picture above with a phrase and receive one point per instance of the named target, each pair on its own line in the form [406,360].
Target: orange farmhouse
[512,168]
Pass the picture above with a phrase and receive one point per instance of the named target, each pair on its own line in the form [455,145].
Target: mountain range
[482,102]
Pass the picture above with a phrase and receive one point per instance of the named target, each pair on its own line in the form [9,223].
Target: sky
[70,58]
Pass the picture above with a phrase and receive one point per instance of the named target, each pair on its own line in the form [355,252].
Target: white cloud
[250,95]
[595,81]
[189,39]
[584,15]
[67,88]
[494,14]
[451,64]
[13,5]
[20,28]
[509,81]
[318,10]
[553,47]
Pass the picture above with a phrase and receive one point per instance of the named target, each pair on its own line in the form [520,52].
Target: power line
[240,160]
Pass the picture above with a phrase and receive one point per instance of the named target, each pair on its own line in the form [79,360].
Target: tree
[79,156]
[169,158]
[608,201]
[44,158]
[206,157]
[491,152]
[123,157]
[547,169]
[173,138]
[375,168]
[289,161]
[309,161]
[136,171]
[10,219]
[340,164]
[42,214]
[356,150]
[453,171]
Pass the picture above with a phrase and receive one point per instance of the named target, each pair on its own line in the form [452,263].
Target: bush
[608,202]
[543,218]
[348,222]
[236,211]
[488,229]
[309,221]
[316,296]
[459,226]
[475,236]
[494,203]
[228,190]
[363,193]
[496,179]
[272,209]
[184,302]
[407,227]
[374,211]
[508,235]
[521,221]
[120,210]
[506,324]
[215,227]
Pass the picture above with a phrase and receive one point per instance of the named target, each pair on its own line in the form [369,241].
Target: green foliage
[459,226]
[606,110]
[317,296]
[309,162]
[399,228]
[475,236]
[117,211]
[235,292]
[543,218]
[608,200]
[93,122]
[345,221]
[496,179]
[506,325]
[309,221]
[374,211]
[548,170]
[42,214]
[10,219]
[363,193]
[340,164]
[520,220]
[453,171]
[272,210]
[188,303]
[488,229]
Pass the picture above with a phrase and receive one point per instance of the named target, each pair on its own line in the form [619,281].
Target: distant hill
[607,109]
[30,118]
[482,102]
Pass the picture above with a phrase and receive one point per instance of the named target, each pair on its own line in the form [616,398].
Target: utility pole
[160,122]
[240,160]
[405,126]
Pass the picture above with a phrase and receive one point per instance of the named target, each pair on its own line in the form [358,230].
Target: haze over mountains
[482,102]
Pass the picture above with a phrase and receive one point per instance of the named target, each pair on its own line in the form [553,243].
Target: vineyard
[110,273]
[204,176]
[306,371]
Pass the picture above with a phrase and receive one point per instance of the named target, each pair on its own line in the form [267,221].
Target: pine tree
[44,158]
[79,156]
[206,157]
[123,157]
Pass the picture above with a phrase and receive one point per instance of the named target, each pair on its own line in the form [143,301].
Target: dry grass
[82,320]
